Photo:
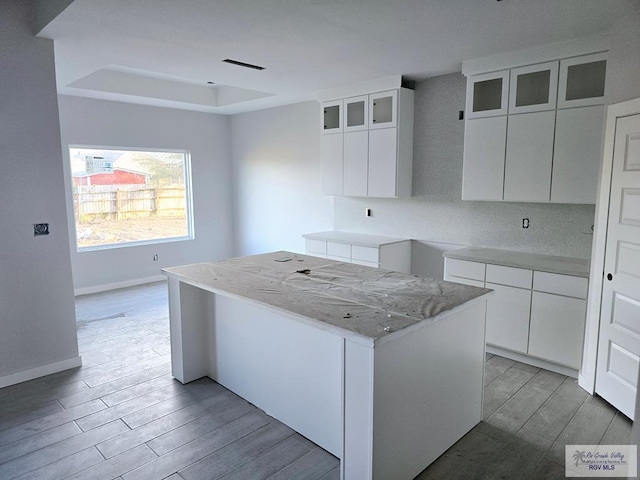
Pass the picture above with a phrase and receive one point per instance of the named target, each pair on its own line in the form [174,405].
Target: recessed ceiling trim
[243,64]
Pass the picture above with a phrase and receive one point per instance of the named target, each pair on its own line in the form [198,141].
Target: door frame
[587,376]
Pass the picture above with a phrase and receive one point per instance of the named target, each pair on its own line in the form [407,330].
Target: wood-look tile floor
[122,416]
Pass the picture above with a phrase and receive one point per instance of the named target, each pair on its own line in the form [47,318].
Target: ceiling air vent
[242,64]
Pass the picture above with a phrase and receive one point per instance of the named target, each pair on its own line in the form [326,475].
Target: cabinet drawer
[464,281]
[367,254]
[560,284]
[365,263]
[464,268]
[315,246]
[339,250]
[514,277]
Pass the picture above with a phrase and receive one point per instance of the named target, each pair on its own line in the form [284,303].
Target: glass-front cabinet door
[356,113]
[534,88]
[582,81]
[331,117]
[383,109]
[487,94]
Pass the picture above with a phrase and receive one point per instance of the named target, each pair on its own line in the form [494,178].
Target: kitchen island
[382,369]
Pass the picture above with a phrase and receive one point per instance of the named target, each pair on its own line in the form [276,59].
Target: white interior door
[619,343]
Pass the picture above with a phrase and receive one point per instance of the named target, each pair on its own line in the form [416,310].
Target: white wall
[436,213]
[37,316]
[206,136]
[276,156]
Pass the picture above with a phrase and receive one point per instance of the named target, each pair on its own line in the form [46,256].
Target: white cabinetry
[369,250]
[370,153]
[558,311]
[533,133]
[538,315]
[527,173]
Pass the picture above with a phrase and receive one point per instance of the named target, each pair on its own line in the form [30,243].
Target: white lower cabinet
[557,328]
[380,252]
[508,317]
[533,313]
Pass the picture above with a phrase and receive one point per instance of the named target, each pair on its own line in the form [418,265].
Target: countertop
[351,300]
[578,267]
[361,239]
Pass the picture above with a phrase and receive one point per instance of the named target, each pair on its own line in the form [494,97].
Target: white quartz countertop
[361,239]
[578,267]
[352,300]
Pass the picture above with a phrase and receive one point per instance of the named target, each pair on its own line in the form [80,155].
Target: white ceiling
[163,52]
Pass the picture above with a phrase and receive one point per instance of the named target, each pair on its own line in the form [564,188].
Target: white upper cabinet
[368,150]
[527,174]
[533,132]
[332,116]
[356,113]
[331,151]
[384,109]
[534,88]
[582,81]
[485,141]
[487,94]
[577,154]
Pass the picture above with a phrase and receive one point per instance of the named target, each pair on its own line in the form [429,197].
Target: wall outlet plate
[525,223]
[40,229]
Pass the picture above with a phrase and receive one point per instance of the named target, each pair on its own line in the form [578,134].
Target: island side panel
[188,320]
[427,392]
[289,369]
[357,461]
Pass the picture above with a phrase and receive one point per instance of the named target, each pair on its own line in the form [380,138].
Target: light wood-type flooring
[121,415]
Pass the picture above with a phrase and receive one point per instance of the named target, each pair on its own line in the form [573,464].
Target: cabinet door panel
[508,317]
[382,177]
[527,175]
[331,117]
[356,113]
[582,81]
[577,153]
[331,159]
[356,161]
[534,88]
[383,109]
[484,150]
[487,94]
[557,328]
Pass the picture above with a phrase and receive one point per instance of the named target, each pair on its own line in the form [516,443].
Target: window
[130,197]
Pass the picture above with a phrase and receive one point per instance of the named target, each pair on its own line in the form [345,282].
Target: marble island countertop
[349,299]
[578,267]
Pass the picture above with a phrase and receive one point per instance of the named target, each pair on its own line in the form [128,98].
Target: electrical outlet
[525,223]
[40,229]
[155,257]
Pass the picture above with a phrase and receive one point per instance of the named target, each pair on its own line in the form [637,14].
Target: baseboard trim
[40,371]
[536,362]
[114,286]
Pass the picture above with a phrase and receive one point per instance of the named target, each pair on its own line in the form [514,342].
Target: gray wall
[436,213]
[37,316]
[102,123]
[276,156]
